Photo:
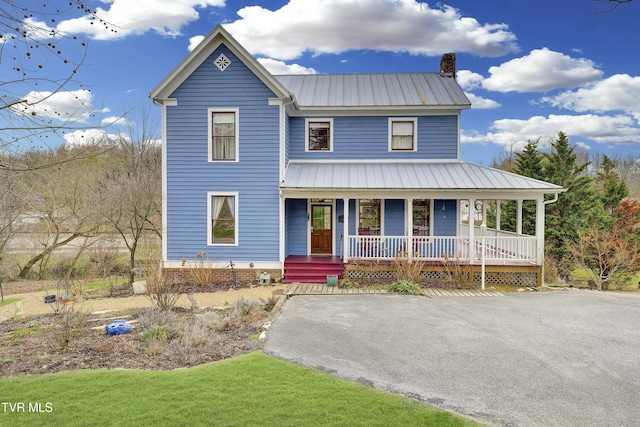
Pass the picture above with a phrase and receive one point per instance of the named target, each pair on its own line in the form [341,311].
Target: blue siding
[357,138]
[394,217]
[296,227]
[190,176]
[444,222]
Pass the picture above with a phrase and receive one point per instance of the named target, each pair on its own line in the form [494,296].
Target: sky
[531,68]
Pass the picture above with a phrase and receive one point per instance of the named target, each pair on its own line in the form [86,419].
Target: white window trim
[210,194]
[409,225]
[415,133]
[306,135]
[210,133]
[382,209]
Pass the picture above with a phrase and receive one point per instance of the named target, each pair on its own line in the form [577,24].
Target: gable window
[369,217]
[319,134]
[223,135]
[223,214]
[403,134]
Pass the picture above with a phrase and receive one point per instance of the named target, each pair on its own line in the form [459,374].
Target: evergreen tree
[612,187]
[578,206]
[529,164]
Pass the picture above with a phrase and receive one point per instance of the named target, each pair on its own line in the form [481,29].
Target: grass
[8,301]
[251,390]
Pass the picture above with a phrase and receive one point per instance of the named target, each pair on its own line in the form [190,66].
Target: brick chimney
[448,65]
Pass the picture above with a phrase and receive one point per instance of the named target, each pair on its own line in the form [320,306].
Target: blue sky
[531,67]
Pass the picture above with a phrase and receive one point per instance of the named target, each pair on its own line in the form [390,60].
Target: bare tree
[63,201]
[613,4]
[12,202]
[39,64]
[608,252]
[131,186]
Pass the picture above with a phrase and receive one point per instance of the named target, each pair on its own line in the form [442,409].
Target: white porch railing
[500,249]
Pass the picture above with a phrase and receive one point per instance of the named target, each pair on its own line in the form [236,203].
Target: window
[223,135]
[421,210]
[369,217]
[223,214]
[319,134]
[403,134]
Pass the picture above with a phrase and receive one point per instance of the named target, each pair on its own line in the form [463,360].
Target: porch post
[519,217]
[498,215]
[472,227]
[281,230]
[540,230]
[345,232]
[484,212]
[409,228]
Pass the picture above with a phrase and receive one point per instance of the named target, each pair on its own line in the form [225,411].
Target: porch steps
[310,269]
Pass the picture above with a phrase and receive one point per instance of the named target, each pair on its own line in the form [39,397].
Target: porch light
[443,206]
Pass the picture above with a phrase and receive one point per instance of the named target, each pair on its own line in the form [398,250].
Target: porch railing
[433,248]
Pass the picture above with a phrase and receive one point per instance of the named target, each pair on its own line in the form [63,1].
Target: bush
[154,316]
[156,333]
[405,287]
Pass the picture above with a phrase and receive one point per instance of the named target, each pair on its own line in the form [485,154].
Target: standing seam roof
[375,90]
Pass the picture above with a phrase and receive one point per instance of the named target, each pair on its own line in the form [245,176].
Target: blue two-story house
[283,174]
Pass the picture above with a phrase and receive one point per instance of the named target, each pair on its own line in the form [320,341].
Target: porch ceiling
[443,177]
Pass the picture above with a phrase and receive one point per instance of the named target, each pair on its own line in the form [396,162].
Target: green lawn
[250,390]
[8,301]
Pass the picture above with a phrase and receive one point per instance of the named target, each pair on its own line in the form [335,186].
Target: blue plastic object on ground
[118,327]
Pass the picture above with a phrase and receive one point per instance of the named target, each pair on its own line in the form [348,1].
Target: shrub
[405,287]
[410,270]
[156,333]
[201,270]
[154,316]
[162,292]
[459,272]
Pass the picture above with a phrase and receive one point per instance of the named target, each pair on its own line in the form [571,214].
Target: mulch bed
[36,346]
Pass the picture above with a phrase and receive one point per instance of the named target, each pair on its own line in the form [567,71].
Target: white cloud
[114,120]
[469,80]
[194,41]
[90,136]
[540,71]
[66,106]
[480,103]
[514,133]
[619,92]
[334,26]
[280,67]
[125,17]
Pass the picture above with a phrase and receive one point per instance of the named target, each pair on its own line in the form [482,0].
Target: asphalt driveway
[563,358]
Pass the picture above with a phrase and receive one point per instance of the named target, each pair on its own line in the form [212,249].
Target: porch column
[281,230]
[345,222]
[540,230]
[498,215]
[409,229]
[472,231]
[519,217]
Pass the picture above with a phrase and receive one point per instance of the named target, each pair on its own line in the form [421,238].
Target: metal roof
[440,176]
[375,90]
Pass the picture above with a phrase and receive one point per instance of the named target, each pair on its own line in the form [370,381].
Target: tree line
[594,224]
[49,202]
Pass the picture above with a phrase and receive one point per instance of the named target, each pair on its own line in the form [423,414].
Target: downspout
[544,207]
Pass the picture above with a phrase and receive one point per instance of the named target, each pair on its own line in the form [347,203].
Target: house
[307,175]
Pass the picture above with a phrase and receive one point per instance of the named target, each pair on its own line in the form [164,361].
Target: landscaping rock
[140,287]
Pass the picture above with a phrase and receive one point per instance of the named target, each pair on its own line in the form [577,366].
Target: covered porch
[426,211]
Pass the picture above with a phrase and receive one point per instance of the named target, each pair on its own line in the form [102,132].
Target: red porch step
[303,269]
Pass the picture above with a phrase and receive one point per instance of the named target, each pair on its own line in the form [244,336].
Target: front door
[321,231]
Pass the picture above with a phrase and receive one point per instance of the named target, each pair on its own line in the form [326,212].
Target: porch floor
[319,289]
